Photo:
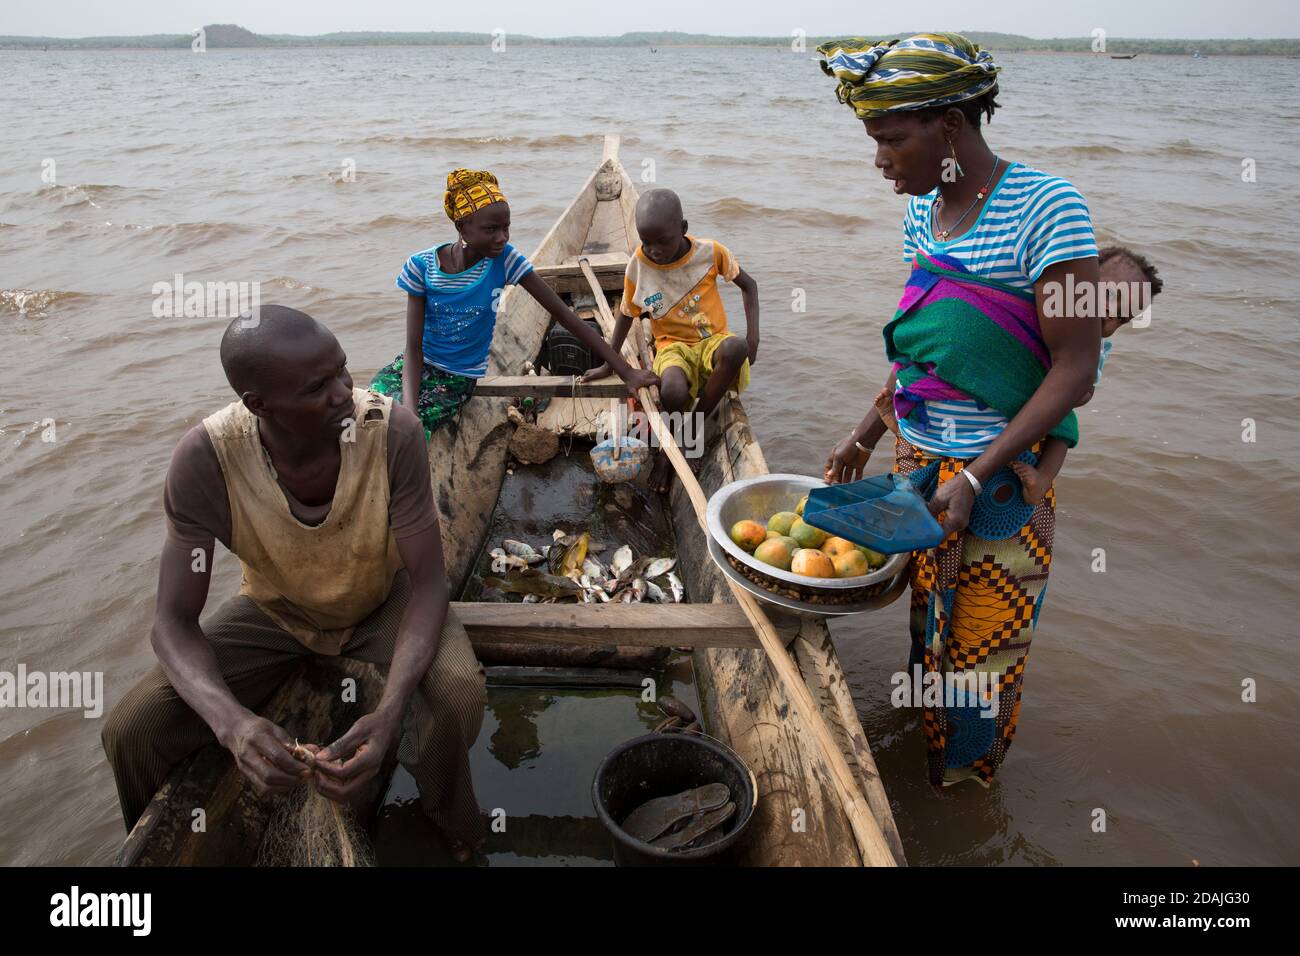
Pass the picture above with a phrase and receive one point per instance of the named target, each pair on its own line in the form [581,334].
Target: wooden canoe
[744,703]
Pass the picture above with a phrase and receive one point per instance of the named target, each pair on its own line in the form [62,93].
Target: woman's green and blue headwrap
[892,76]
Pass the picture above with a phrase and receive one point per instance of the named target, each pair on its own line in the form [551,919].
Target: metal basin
[880,595]
[763,495]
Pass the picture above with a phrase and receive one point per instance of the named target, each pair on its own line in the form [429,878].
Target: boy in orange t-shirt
[673,279]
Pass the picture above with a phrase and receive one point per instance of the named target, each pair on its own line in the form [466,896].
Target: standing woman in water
[985,366]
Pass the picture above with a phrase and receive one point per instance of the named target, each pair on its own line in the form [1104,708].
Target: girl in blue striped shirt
[453,291]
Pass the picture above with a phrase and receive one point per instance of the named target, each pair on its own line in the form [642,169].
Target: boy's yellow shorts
[696,360]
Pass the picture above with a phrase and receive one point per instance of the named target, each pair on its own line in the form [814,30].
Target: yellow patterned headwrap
[468,191]
[892,76]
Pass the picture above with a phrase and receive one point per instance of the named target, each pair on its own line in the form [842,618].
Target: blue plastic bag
[886,513]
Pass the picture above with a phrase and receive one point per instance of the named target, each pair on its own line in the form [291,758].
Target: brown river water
[228,166]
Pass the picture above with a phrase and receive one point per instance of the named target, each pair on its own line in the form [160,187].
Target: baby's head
[1128,284]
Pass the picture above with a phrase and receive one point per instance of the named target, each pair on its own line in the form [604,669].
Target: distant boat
[1198,55]
[1123,56]
[653,50]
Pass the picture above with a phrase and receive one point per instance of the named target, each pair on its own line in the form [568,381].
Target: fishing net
[309,829]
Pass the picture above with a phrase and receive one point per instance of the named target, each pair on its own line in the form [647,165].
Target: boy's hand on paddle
[264,754]
[348,764]
[846,462]
[639,378]
[600,371]
[956,496]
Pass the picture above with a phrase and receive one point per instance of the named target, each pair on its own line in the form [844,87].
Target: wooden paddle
[871,842]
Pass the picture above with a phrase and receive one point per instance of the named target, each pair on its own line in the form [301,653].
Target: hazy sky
[1193,19]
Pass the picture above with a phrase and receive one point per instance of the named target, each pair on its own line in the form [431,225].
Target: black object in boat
[564,354]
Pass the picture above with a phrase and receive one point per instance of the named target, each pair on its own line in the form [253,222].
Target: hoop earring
[953,148]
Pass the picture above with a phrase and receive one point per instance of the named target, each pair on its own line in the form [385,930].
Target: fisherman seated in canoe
[452,293]
[673,279]
[322,492]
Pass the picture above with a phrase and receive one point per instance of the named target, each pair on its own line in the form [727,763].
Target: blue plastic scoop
[885,513]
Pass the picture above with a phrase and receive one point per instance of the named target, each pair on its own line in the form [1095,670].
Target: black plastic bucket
[660,765]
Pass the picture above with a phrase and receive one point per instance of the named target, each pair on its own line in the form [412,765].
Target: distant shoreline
[233,37]
[272,48]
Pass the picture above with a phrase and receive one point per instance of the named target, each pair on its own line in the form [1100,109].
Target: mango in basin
[807,535]
[837,546]
[812,563]
[781,522]
[748,535]
[776,552]
[851,564]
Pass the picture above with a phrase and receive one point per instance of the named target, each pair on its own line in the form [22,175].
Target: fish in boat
[659,567]
[530,581]
[521,550]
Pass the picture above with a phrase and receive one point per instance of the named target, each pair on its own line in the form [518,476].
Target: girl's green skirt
[441,393]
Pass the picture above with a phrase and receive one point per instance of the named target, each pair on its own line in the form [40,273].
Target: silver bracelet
[861,447]
[975,482]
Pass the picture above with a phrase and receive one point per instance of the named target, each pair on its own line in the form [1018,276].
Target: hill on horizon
[218,36]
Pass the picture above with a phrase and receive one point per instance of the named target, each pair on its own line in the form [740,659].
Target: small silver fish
[675,585]
[521,550]
[638,589]
[655,593]
[660,566]
[505,562]
[593,569]
[557,534]
[531,599]
[622,560]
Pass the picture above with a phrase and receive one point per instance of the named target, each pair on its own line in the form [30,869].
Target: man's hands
[264,754]
[344,768]
[592,374]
